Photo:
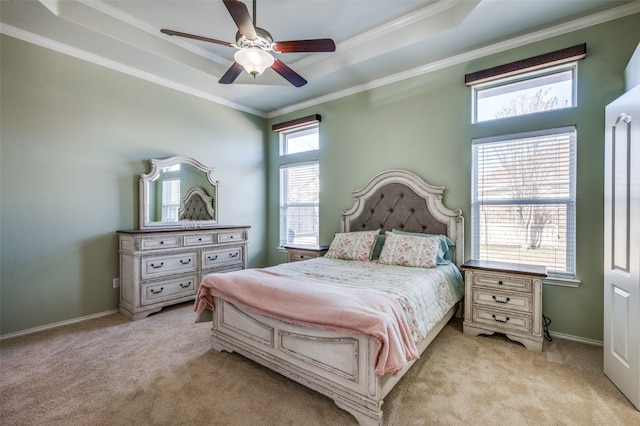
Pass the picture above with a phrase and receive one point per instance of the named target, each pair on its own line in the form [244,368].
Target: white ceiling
[378,41]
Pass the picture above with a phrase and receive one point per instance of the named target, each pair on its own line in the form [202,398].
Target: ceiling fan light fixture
[254,60]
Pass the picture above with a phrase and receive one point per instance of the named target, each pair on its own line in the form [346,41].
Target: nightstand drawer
[503,300]
[502,321]
[506,282]
[156,266]
[298,255]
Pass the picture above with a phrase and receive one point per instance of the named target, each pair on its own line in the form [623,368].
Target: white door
[622,245]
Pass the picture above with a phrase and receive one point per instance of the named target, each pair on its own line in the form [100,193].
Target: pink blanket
[321,305]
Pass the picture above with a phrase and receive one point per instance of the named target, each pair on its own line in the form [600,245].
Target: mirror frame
[145,179]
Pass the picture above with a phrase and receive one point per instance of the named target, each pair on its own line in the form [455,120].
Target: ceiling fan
[255,44]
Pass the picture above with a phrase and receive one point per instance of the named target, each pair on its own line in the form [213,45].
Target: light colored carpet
[162,371]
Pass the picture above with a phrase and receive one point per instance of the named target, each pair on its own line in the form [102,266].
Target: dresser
[504,298]
[298,253]
[163,267]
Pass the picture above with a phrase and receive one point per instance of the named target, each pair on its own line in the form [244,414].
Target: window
[541,83]
[523,199]
[299,140]
[529,93]
[299,203]
[299,181]
[170,199]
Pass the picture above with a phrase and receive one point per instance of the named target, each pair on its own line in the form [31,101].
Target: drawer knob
[188,261]
[236,254]
[158,291]
[500,282]
[161,242]
[187,285]
[506,300]
[157,266]
[213,258]
[499,320]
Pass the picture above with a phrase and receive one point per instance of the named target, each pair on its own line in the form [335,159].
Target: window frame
[307,125]
[525,76]
[565,278]
[297,132]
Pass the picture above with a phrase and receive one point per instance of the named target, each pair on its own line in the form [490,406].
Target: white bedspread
[424,294]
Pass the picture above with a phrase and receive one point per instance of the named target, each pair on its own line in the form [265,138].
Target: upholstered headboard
[196,205]
[402,200]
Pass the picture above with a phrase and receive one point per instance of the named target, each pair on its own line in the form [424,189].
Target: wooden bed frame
[337,365]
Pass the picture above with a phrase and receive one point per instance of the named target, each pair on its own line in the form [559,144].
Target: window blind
[299,203]
[523,199]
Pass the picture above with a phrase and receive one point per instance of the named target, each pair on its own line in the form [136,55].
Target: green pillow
[377,248]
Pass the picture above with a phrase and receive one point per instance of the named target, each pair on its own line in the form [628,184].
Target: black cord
[546,322]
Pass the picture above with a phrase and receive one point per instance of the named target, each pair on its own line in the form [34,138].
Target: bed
[355,365]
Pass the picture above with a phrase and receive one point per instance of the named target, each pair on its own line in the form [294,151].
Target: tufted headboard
[402,200]
[196,205]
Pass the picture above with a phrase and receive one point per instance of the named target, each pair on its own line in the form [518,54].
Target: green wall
[74,139]
[75,136]
[423,125]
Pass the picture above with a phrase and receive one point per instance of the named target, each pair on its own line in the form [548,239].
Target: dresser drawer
[506,282]
[502,320]
[229,237]
[198,239]
[159,242]
[155,266]
[513,301]
[169,289]
[213,258]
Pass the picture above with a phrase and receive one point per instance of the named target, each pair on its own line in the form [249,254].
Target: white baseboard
[113,311]
[57,324]
[576,338]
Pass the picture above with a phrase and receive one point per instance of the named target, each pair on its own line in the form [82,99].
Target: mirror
[178,192]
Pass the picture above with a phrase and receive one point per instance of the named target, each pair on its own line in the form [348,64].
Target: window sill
[562,282]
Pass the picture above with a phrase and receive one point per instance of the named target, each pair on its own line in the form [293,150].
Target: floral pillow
[352,245]
[410,250]
[446,250]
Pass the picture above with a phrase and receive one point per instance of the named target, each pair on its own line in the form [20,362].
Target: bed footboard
[340,366]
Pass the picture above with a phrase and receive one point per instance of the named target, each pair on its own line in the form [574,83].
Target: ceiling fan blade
[289,74]
[240,15]
[315,45]
[232,73]
[195,37]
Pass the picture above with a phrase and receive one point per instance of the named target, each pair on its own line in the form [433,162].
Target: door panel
[622,245]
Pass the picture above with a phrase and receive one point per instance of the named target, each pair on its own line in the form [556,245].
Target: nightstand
[297,253]
[504,298]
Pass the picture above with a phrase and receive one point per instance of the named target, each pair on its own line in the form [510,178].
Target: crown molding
[564,28]
[118,66]
[126,18]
